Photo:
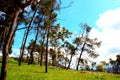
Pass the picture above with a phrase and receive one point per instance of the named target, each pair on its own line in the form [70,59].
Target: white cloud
[109,19]
[109,23]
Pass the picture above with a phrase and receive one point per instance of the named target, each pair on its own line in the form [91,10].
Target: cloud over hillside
[108,32]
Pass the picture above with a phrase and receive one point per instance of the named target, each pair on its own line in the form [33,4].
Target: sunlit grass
[35,72]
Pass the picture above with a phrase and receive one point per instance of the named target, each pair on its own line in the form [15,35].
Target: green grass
[35,72]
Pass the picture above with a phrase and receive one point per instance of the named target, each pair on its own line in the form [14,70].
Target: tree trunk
[80,56]
[6,47]
[25,39]
[46,58]
[31,53]
[20,58]
[70,62]
[54,60]
[42,51]
[41,59]
[117,67]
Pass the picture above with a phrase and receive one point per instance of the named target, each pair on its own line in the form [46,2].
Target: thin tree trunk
[31,53]
[6,47]
[70,62]
[117,68]
[80,56]
[46,58]
[21,53]
[65,64]
[25,39]
[41,59]
[53,60]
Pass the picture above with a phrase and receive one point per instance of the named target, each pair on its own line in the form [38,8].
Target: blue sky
[85,11]
[102,15]
[99,14]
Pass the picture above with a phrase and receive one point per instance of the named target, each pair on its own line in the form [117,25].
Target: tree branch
[67,5]
[22,6]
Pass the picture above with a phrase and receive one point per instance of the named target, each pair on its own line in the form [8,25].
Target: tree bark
[70,62]
[25,39]
[4,5]
[80,56]
[31,53]
[46,58]
[42,51]
[54,59]
[5,51]
[8,39]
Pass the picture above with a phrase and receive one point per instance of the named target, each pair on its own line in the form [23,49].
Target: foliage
[114,65]
[40,18]
[100,67]
[37,48]
[86,44]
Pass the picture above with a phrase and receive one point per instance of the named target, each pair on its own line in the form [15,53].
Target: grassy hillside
[35,72]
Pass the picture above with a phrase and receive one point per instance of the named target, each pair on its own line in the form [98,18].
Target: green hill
[35,72]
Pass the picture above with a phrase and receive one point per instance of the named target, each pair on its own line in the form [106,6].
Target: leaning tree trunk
[70,62]
[13,18]
[80,56]
[31,53]
[25,39]
[5,51]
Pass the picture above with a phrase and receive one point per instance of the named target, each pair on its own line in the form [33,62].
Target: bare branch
[22,6]
[68,5]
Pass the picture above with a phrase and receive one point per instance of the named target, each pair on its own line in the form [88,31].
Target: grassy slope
[35,72]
